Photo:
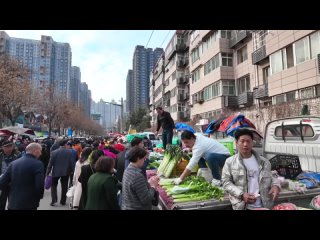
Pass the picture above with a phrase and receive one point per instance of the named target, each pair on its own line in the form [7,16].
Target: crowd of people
[98,170]
[106,174]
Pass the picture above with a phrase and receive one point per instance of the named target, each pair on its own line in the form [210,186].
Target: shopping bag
[70,192]
[48,182]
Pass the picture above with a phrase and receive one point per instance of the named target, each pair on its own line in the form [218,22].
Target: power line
[165,38]
[149,38]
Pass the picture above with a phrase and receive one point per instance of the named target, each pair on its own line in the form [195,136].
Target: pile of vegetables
[192,189]
[172,156]
[153,165]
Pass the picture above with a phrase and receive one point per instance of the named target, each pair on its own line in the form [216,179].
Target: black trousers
[4,197]
[64,189]
[70,180]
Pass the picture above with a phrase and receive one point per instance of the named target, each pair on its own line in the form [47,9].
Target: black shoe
[52,204]
[62,203]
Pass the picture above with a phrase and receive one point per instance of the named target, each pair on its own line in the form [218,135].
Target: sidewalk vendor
[204,149]
[247,176]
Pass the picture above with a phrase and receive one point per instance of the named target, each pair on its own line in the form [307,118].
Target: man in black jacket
[165,121]
[26,179]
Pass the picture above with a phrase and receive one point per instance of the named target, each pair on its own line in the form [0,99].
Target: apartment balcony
[259,55]
[180,47]
[230,101]
[260,92]
[182,80]
[180,97]
[182,63]
[239,36]
[245,99]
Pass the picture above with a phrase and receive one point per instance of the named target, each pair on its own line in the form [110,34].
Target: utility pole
[121,122]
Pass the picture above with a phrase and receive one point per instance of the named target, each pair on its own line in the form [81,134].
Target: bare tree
[15,88]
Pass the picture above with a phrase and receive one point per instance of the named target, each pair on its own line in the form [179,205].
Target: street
[45,202]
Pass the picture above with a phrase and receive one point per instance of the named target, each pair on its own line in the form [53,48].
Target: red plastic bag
[285,206]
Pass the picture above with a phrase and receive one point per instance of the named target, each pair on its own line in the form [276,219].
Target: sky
[104,56]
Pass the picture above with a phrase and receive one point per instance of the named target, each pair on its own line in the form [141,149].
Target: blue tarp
[183,126]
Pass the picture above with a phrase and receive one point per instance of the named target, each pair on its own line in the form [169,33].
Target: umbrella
[182,126]
[17,130]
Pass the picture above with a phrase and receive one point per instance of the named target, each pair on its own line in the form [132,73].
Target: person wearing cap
[8,154]
[26,179]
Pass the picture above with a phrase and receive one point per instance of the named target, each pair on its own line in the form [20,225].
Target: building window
[244,84]
[307,93]
[259,39]
[196,75]
[265,74]
[276,62]
[195,55]
[302,50]
[226,59]
[291,96]
[207,67]
[315,44]
[280,99]
[287,56]
[226,34]
[318,90]
[242,54]
[228,87]
[174,76]
[194,35]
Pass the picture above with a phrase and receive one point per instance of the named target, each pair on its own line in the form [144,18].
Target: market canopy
[16,130]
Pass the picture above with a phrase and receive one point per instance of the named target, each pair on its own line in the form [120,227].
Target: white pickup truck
[298,136]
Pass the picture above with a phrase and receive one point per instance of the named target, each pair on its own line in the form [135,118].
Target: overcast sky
[104,56]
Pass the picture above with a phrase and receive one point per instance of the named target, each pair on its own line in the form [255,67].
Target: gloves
[177,181]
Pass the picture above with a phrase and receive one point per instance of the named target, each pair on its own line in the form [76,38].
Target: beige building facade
[243,71]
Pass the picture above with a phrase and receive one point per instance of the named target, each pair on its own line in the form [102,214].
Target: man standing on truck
[165,121]
[247,176]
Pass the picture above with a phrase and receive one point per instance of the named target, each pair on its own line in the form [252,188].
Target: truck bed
[301,200]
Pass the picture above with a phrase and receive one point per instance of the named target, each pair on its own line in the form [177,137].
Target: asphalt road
[45,202]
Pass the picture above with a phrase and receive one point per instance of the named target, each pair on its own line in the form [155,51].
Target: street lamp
[121,106]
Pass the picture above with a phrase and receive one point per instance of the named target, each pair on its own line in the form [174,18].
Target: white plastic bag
[206,173]
[70,192]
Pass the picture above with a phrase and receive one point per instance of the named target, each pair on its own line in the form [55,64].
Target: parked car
[152,137]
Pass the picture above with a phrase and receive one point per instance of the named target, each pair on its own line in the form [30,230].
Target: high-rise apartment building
[144,59]
[75,81]
[130,91]
[49,62]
